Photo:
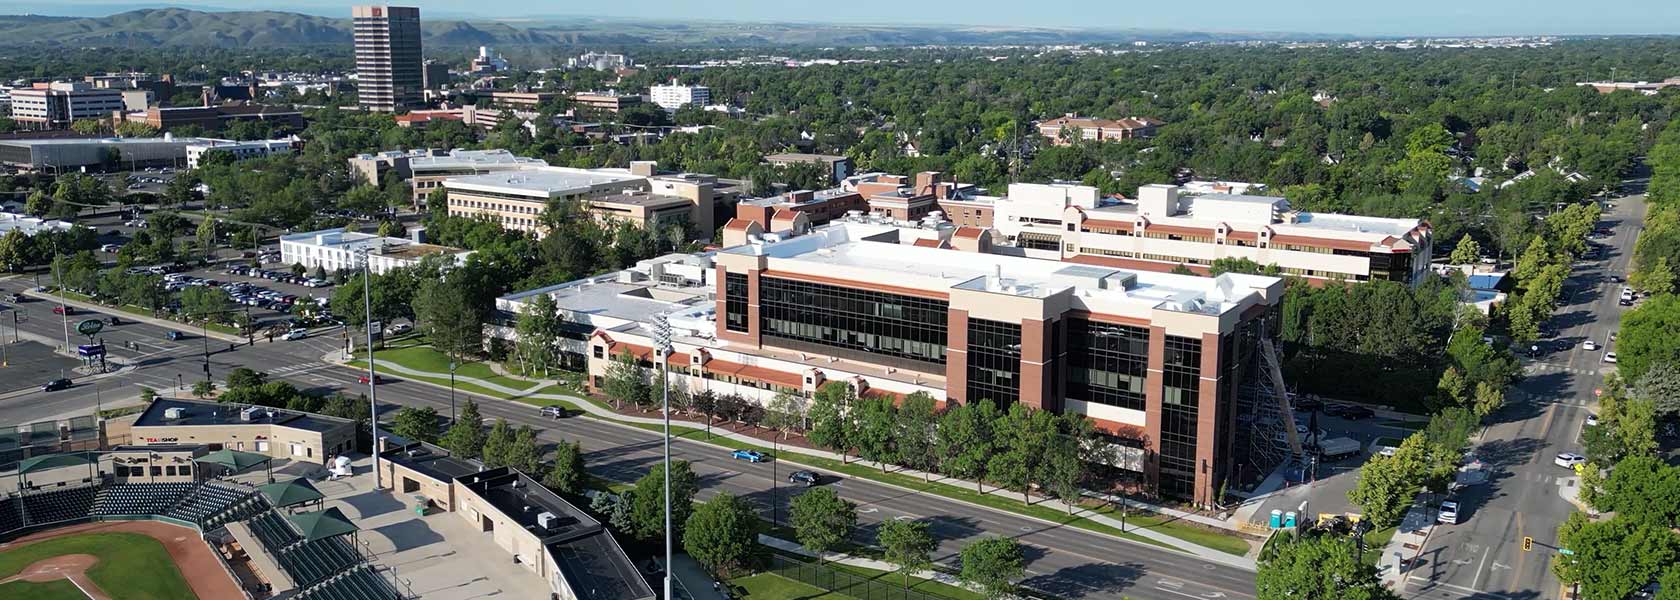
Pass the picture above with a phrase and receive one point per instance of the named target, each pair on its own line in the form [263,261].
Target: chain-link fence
[841,582]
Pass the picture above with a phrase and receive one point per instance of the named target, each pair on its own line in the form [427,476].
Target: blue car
[750,455]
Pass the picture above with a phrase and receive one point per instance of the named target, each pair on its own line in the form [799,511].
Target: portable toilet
[1277,518]
[1289,519]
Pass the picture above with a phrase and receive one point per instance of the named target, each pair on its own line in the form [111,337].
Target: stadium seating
[361,583]
[139,498]
[10,518]
[213,503]
[273,531]
[310,562]
[58,505]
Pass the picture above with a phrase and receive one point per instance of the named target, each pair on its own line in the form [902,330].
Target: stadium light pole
[662,343]
[373,377]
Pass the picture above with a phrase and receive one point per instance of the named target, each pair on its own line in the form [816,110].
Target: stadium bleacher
[139,498]
[273,531]
[10,518]
[361,583]
[310,562]
[214,503]
[58,505]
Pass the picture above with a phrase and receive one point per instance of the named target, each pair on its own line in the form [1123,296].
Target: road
[1482,556]
[1066,562]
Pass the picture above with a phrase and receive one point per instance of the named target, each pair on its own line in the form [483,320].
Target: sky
[1356,17]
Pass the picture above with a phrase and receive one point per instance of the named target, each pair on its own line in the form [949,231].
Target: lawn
[60,589]
[1189,532]
[144,312]
[926,586]
[424,358]
[131,566]
[1375,542]
[770,586]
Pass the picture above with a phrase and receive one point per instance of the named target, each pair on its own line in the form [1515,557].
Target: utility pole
[662,342]
[373,377]
[63,311]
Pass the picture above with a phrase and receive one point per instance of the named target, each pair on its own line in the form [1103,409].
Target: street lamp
[452,366]
[662,345]
[373,377]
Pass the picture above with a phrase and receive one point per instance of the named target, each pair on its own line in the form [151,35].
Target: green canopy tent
[323,524]
[48,462]
[291,493]
[237,462]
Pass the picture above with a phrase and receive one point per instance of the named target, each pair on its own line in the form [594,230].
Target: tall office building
[388,71]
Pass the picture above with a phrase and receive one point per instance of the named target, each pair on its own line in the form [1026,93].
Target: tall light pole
[63,311]
[373,377]
[662,345]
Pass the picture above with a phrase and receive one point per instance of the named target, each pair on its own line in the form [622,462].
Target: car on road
[377,379]
[1612,337]
[401,328]
[1589,345]
[805,478]
[1610,357]
[1351,412]
[173,335]
[554,412]
[1592,420]
[55,385]
[1448,514]
[1615,279]
[64,310]
[1569,459]
[110,248]
[752,456]
[295,334]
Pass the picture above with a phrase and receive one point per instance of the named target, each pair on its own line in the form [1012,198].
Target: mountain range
[162,27]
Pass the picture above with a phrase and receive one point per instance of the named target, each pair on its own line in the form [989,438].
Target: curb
[127,315]
[1175,545]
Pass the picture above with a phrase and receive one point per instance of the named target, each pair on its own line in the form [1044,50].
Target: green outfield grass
[131,566]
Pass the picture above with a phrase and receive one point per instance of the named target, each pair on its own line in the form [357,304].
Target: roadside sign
[1598,392]
[91,350]
[90,327]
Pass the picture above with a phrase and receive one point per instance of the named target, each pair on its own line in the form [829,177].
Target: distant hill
[185,27]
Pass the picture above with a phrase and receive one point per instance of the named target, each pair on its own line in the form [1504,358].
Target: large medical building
[1156,360]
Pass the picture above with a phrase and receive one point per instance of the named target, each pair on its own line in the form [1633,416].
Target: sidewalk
[1245,562]
[867,563]
[134,317]
[691,579]
[1409,540]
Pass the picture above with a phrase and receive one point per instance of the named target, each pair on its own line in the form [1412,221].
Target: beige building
[1101,130]
[277,433]
[517,199]
[425,170]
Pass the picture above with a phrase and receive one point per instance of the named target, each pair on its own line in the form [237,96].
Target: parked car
[805,478]
[1592,420]
[554,412]
[1569,459]
[1610,357]
[55,385]
[110,248]
[401,328]
[1448,514]
[377,379]
[1589,345]
[295,334]
[64,310]
[752,456]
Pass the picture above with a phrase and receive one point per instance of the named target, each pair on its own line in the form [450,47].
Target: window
[600,352]
[1108,363]
[735,302]
[169,470]
[994,361]
[1180,383]
[872,326]
[186,470]
[156,471]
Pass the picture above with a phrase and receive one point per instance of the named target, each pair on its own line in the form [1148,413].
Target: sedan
[1592,420]
[377,379]
[1569,459]
[295,334]
[752,456]
[805,478]
[55,385]
[1610,357]
[1589,345]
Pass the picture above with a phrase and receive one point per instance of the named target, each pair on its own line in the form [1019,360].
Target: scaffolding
[1267,417]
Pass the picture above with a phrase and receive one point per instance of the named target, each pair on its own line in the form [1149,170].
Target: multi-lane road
[1063,561]
[1482,555]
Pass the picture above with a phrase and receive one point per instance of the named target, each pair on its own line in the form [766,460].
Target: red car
[64,310]
[377,379]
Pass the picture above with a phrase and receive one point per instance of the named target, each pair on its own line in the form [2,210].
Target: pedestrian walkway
[855,561]
[692,580]
[1403,548]
[1242,562]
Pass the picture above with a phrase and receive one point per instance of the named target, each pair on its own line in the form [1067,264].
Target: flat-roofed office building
[388,65]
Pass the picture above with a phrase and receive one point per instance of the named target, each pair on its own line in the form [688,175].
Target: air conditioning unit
[250,412]
[174,413]
[547,521]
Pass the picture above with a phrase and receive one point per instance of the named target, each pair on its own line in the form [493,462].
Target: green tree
[1452,386]
[1318,568]
[38,204]
[1661,385]
[524,452]
[877,426]
[447,317]
[1668,584]
[538,330]
[465,437]
[1613,558]
[206,237]
[992,564]
[625,381]
[498,446]
[785,412]
[1385,488]
[831,422]
[203,303]
[204,389]
[821,520]
[722,534]
[1467,252]
[1644,489]
[965,440]
[418,424]
[567,472]
[917,421]
[906,544]
[1489,399]
[648,500]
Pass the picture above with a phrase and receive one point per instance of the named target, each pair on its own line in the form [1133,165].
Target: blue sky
[1364,17]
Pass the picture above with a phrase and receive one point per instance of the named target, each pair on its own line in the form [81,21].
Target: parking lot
[1325,490]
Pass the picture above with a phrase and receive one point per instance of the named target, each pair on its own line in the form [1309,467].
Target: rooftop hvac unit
[547,521]
[174,413]
[250,412]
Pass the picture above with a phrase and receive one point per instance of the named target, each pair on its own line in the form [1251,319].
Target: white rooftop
[459,158]
[1355,223]
[539,180]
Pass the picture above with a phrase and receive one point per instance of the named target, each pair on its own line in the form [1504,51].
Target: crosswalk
[1538,368]
[298,369]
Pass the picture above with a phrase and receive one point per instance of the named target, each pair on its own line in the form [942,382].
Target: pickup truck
[1335,448]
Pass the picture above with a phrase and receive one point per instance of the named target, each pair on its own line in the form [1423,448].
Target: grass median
[144,312]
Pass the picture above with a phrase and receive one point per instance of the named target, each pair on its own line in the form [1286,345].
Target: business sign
[91,350]
[90,327]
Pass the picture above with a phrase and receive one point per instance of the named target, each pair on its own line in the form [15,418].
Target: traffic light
[1528,544]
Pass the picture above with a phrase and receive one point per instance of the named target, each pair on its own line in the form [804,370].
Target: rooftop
[590,559]
[195,413]
[431,461]
[628,295]
[547,181]
[801,156]
[842,245]
[381,246]
[459,158]
[642,199]
[107,140]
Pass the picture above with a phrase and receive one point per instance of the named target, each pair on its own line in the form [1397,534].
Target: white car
[1448,514]
[1592,420]
[1569,460]
[136,223]
[295,334]
[401,328]
[1610,357]
[1589,345]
